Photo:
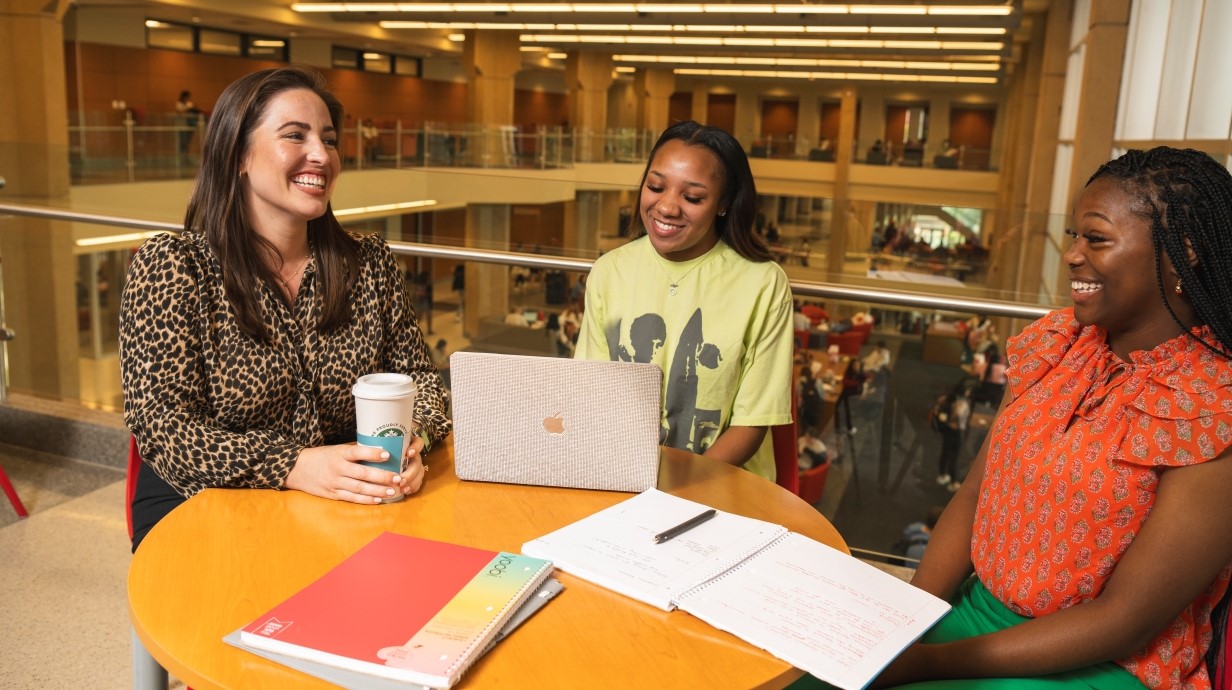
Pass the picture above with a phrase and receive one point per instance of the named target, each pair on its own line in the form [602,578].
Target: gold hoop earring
[1178,288]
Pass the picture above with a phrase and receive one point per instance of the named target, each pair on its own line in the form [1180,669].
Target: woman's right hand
[335,472]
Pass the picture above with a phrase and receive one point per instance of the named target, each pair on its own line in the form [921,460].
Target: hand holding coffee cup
[384,418]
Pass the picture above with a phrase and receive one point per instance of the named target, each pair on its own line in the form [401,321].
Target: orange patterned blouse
[1061,501]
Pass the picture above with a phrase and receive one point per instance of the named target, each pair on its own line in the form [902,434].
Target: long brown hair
[217,206]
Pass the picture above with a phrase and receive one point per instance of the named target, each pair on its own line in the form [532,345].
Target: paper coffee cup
[384,410]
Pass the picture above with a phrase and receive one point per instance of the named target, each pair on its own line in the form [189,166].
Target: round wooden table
[228,555]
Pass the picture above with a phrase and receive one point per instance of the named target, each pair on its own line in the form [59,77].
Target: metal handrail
[837,291]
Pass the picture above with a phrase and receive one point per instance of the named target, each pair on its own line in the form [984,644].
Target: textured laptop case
[556,422]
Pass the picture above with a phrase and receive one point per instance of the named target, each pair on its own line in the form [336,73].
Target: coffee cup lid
[384,386]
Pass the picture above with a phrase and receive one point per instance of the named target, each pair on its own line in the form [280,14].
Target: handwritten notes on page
[615,547]
[818,609]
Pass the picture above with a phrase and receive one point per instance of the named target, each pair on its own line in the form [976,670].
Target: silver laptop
[550,421]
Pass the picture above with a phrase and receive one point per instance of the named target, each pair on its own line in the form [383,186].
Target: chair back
[848,342]
[802,339]
[783,437]
[814,313]
[813,482]
[1217,656]
[130,482]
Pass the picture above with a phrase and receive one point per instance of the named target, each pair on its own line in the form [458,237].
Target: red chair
[802,339]
[12,494]
[130,484]
[783,437]
[864,329]
[813,482]
[815,314]
[848,342]
[147,673]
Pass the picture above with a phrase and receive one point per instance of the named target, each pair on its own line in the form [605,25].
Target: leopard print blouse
[210,407]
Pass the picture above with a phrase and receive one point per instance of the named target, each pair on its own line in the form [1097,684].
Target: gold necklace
[286,285]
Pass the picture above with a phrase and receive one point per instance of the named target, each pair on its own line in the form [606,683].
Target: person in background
[372,139]
[799,322]
[570,325]
[878,358]
[188,115]
[811,451]
[516,317]
[241,337]
[852,387]
[953,415]
[1116,411]
[916,536]
[459,286]
[710,307]
[440,354]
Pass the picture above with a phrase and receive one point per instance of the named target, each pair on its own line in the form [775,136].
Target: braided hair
[1185,195]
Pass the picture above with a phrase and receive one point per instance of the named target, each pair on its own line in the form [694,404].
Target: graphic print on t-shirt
[687,426]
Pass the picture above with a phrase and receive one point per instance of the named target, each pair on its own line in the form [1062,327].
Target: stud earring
[1178,288]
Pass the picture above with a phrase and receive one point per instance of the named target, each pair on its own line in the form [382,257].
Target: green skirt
[977,612]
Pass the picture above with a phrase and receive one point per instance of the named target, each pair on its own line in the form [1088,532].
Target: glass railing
[133,148]
[65,315]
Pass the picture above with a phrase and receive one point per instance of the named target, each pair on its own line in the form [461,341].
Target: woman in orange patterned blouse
[1119,409]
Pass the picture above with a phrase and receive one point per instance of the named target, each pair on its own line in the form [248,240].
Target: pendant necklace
[673,284]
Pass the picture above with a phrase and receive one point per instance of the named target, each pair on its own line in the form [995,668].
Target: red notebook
[402,607]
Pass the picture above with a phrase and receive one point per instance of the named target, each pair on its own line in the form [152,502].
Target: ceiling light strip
[974,46]
[846,76]
[693,28]
[811,62]
[658,8]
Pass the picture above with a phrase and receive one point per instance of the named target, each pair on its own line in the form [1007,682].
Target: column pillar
[872,121]
[808,122]
[487,285]
[491,60]
[1033,241]
[1004,228]
[938,127]
[1103,60]
[701,103]
[748,116]
[841,213]
[588,75]
[39,266]
[654,92]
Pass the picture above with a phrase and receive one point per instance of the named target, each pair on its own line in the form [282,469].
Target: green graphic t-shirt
[723,339]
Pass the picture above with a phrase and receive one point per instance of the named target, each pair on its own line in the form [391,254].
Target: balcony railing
[132,150]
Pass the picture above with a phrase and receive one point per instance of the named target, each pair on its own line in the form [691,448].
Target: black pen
[683,527]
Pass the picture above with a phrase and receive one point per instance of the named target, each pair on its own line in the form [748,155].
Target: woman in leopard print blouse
[240,339]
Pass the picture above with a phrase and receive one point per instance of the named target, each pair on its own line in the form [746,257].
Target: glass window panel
[377,62]
[1072,94]
[267,47]
[1184,25]
[406,66]
[346,58]
[1211,108]
[220,42]
[1143,66]
[160,34]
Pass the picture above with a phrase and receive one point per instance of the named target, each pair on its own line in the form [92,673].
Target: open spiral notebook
[806,603]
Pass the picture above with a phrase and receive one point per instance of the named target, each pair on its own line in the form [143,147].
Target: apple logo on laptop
[554,424]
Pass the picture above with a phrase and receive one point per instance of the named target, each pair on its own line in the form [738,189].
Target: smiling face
[680,200]
[291,163]
[1112,270]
